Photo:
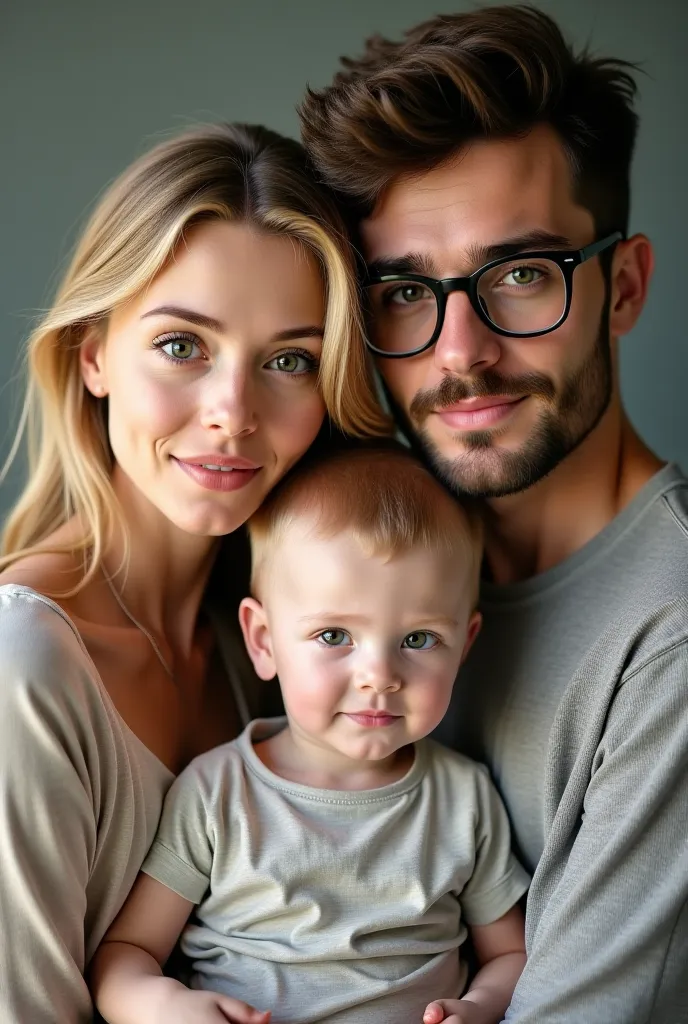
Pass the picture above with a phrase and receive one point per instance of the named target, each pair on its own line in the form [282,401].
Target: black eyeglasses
[520,296]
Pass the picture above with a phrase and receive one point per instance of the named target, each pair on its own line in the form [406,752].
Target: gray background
[85,86]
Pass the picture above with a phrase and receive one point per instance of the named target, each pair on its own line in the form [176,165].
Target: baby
[328,865]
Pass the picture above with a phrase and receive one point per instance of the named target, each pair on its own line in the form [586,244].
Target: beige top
[80,798]
[323,905]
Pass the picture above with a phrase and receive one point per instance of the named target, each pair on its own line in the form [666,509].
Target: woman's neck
[164,571]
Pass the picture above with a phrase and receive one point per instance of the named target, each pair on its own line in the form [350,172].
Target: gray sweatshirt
[576,696]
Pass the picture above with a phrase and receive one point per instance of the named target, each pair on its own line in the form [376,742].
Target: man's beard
[568,416]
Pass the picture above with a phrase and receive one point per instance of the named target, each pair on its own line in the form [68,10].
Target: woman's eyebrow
[203,320]
[190,315]
[294,333]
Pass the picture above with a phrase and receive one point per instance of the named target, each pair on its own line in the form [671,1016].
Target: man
[487,167]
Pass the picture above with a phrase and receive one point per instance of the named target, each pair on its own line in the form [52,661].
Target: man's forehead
[491,191]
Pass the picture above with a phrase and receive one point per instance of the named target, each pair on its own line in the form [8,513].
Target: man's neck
[528,533]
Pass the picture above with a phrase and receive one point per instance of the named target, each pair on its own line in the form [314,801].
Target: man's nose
[465,345]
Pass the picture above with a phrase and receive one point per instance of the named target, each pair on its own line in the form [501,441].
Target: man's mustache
[455,389]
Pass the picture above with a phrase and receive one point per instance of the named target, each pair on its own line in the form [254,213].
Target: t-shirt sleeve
[498,880]
[182,852]
[47,819]
[612,941]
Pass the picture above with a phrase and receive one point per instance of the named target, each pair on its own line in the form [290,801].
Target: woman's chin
[206,520]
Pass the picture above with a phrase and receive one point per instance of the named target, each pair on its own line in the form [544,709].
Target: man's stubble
[568,416]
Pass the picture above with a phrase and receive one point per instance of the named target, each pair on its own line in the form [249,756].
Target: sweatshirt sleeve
[612,943]
[47,821]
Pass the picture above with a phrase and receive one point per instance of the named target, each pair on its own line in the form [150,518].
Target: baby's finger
[241,1013]
[434,1013]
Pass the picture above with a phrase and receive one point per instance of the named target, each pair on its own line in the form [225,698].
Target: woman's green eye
[293,362]
[420,641]
[334,637]
[179,349]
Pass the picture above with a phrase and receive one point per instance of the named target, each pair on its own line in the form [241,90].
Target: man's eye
[406,294]
[334,638]
[420,641]
[522,276]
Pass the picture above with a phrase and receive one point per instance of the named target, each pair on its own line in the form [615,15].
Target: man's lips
[479,413]
[371,719]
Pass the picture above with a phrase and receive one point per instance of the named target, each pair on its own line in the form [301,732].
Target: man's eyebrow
[475,255]
[409,263]
[203,320]
[478,255]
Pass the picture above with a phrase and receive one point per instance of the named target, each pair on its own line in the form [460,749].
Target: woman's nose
[229,405]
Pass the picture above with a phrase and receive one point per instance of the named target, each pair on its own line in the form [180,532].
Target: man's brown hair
[404,107]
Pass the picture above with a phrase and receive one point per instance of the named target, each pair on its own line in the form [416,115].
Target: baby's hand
[190,1006]
[452,1011]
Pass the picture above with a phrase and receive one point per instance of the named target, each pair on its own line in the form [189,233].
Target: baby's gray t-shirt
[334,905]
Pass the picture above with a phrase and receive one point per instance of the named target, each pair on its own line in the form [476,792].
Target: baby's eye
[334,638]
[420,641]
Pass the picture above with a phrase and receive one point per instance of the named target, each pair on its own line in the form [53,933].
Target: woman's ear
[474,624]
[254,626]
[91,360]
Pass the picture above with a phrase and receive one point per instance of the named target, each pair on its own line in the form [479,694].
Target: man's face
[496,414]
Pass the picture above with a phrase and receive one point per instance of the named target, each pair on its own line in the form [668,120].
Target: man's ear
[254,626]
[474,624]
[91,361]
[631,273]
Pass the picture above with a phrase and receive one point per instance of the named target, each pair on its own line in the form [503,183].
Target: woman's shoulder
[43,661]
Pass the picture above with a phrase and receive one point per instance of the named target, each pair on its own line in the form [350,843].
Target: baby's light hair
[382,496]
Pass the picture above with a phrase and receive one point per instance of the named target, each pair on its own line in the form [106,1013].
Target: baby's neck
[292,759]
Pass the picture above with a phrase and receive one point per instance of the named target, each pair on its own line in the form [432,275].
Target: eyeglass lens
[521,296]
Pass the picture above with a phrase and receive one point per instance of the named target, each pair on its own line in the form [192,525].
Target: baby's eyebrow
[426,622]
[329,616]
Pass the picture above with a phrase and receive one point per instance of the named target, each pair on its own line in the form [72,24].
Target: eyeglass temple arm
[604,243]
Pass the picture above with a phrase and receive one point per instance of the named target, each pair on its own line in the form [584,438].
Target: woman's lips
[219,472]
[477,414]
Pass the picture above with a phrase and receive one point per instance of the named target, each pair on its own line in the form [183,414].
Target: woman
[205,326]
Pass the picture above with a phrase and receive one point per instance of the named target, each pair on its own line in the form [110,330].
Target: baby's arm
[126,972]
[501,952]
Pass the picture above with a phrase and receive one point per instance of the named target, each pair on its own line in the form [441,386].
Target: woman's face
[211,375]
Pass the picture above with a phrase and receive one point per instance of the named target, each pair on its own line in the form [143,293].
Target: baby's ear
[474,624]
[254,626]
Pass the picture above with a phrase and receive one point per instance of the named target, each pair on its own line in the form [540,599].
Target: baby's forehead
[307,552]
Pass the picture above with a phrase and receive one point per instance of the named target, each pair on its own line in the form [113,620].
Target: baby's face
[366,650]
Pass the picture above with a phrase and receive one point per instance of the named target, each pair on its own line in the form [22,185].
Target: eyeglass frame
[566,259]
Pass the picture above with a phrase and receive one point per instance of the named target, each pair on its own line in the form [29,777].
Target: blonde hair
[381,496]
[237,172]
